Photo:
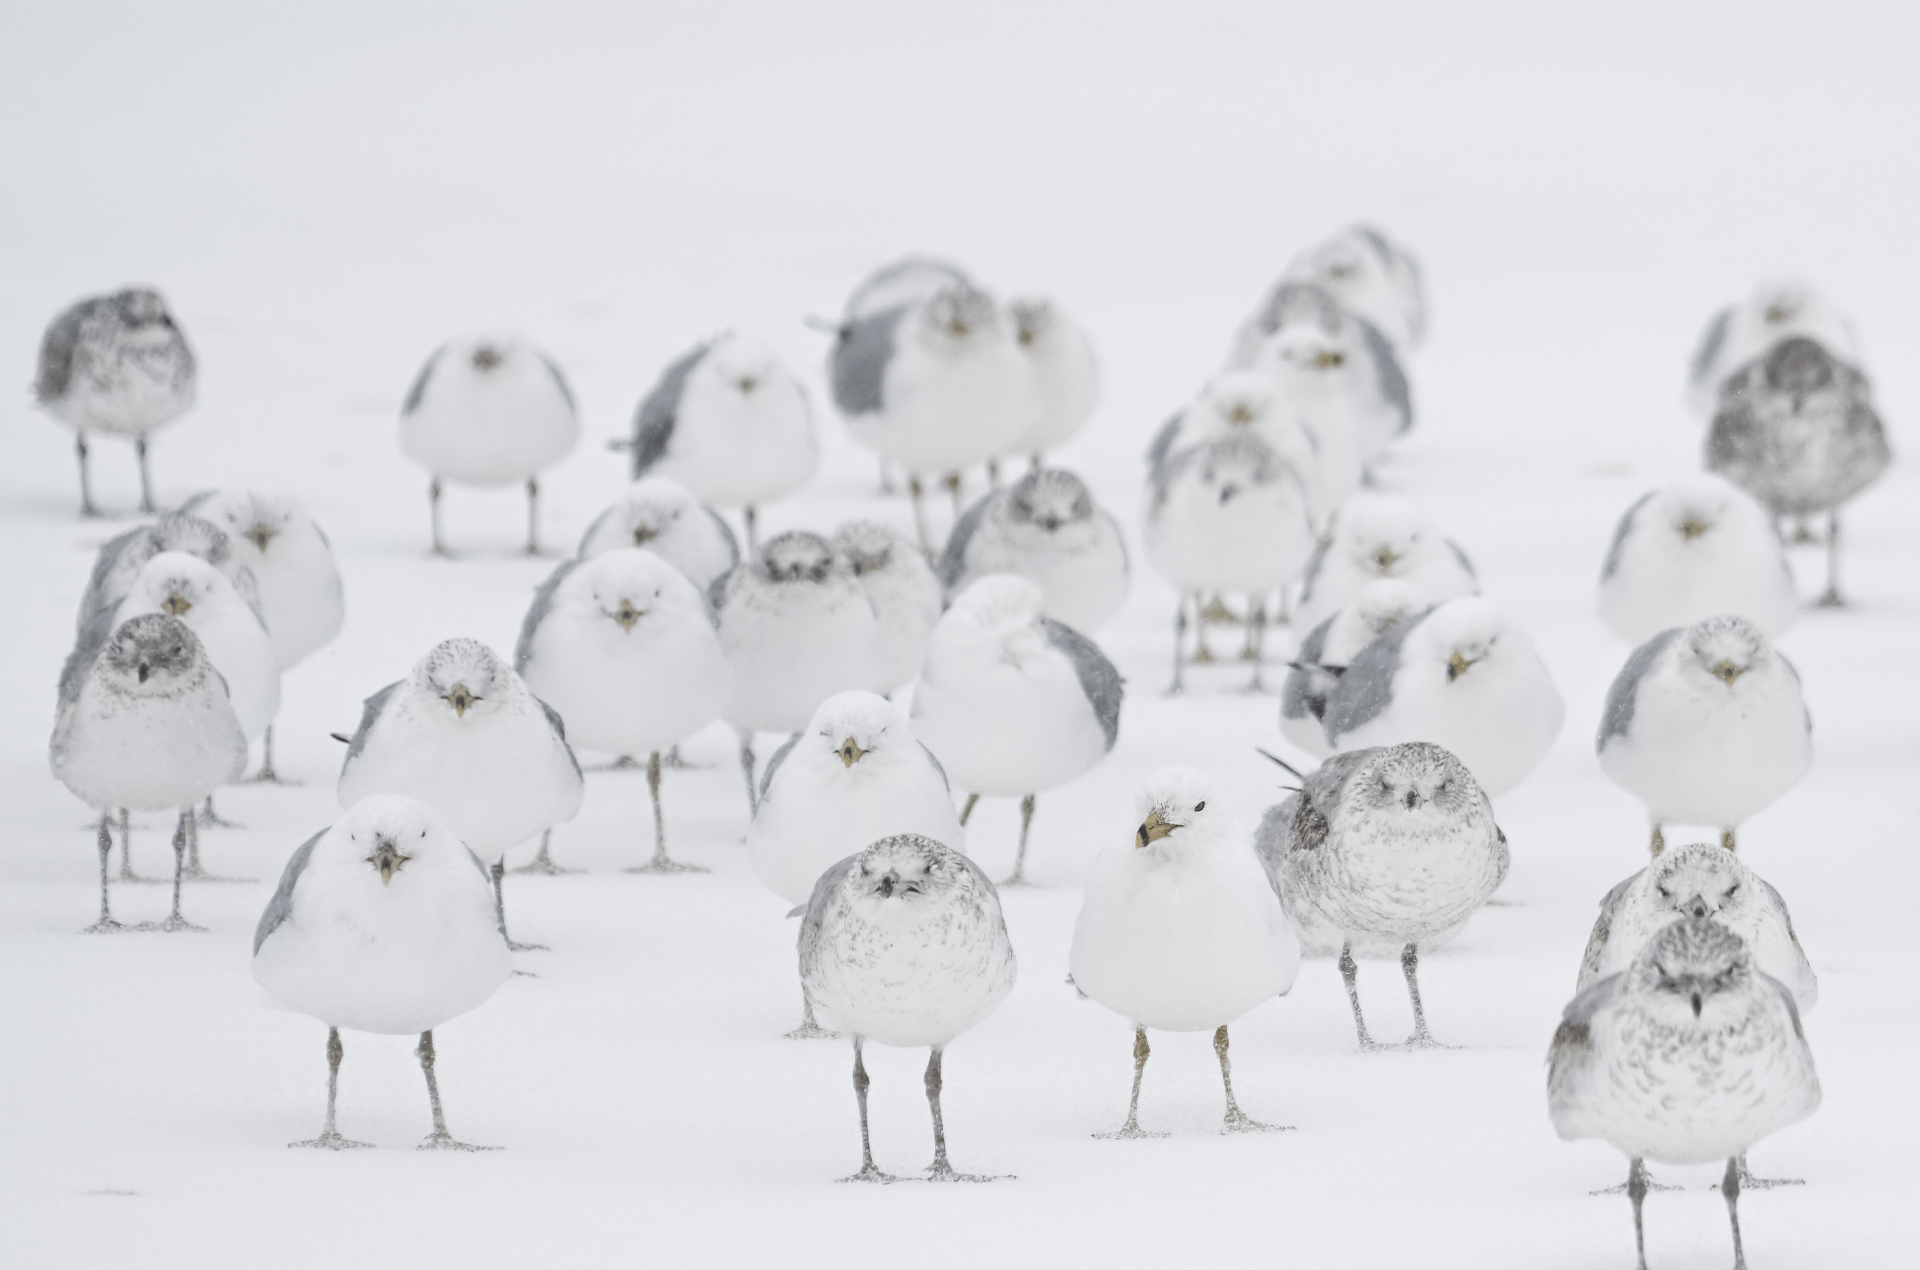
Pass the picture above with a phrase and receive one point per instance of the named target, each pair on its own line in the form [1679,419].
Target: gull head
[1379,532]
[622,586]
[151,653]
[898,875]
[1699,880]
[1692,973]
[1726,647]
[797,556]
[1417,781]
[1798,366]
[1173,807]
[867,546]
[958,316]
[1049,499]
[745,364]
[851,725]
[1033,320]
[465,675]
[1240,399]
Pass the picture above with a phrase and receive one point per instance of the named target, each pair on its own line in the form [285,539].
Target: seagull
[1464,676]
[625,648]
[383,923]
[904,944]
[1046,527]
[854,775]
[729,422]
[1796,429]
[1377,536]
[115,364]
[1180,931]
[463,734]
[1227,514]
[146,724]
[1372,277]
[1776,310]
[488,410]
[120,559]
[1064,372]
[662,515]
[1692,548]
[1329,647]
[1390,844]
[903,590]
[1706,725]
[302,600]
[1012,702]
[1692,1054]
[797,627]
[1248,401]
[935,384]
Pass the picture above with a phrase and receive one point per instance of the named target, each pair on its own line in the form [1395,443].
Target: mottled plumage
[1046,527]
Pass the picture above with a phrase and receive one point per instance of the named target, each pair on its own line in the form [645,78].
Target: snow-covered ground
[325,192]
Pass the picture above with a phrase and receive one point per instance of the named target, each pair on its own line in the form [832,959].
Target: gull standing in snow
[1372,277]
[121,558]
[1011,701]
[662,515]
[1048,528]
[302,600]
[115,364]
[146,724]
[1389,845]
[854,775]
[935,384]
[797,627]
[1690,1055]
[1706,726]
[488,410]
[904,944]
[1246,401]
[463,734]
[383,923]
[1226,514]
[1688,550]
[903,590]
[1381,536]
[1064,372]
[1180,931]
[624,647]
[1464,676]
[1796,429]
[1776,310]
[729,422]
[1328,649]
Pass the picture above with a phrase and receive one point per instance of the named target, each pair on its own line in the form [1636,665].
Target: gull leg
[126,848]
[1830,598]
[752,516]
[542,861]
[867,1172]
[1203,613]
[533,516]
[1236,1120]
[1410,966]
[953,492]
[1038,461]
[1019,877]
[1350,971]
[87,509]
[1659,842]
[194,872]
[1748,1182]
[330,1137]
[1638,1176]
[916,491]
[181,833]
[213,820]
[940,1170]
[809,1029]
[968,809]
[1179,646]
[1132,1129]
[1256,638]
[1726,839]
[500,916]
[660,863]
[146,475]
[433,509]
[106,925]
[993,474]
[1637,1192]
[887,485]
[1730,1189]
[439,1139]
[266,775]
[746,769]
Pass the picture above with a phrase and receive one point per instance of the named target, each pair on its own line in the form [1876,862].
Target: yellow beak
[1385,559]
[387,859]
[459,699]
[1240,414]
[1726,672]
[1326,359]
[1691,529]
[260,536]
[644,534]
[627,615]
[1152,829]
[850,752]
[176,604]
[1457,666]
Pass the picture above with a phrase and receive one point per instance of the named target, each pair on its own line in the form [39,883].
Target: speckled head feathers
[797,556]
[151,654]
[1049,498]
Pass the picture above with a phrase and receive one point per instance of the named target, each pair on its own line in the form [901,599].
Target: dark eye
[1201,805]
[1665,894]
[1732,890]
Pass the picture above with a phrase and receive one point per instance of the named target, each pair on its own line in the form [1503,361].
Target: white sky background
[327,191]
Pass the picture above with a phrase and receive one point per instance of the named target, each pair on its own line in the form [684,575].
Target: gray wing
[98,598]
[1571,1040]
[1389,378]
[57,347]
[1617,717]
[1163,441]
[1098,676]
[717,593]
[659,410]
[1461,556]
[1711,342]
[726,533]
[1270,837]
[559,726]
[814,920]
[1320,791]
[86,650]
[1308,684]
[592,529]
[419,389]
[537,613]
[858,366]
[369,715]
[953,560]
[560,382]
[1311,574]
[1620,532]
[1365,690]
[935,760]
[1603,929]
[280,907]
[773,765]
[980,878]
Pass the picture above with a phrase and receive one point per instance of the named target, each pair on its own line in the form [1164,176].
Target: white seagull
[1372,277]
[1328,649]
[488,410]
[1706,726]
[1237,402]
[119,365]
[1777,309]
[1180,930]
[121,558]
[1012,702]
[1378,536]
[662,515]
[903,590]
[383,923]
[1048,528]
[904,944]
[1064,372]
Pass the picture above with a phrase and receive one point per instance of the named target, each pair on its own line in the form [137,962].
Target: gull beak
[644,534]
[1696,1005]
[747,384]
[1051,524]
[387,859]
[1696,907]
[145,670]
[260,536]
[460,699]
[486,358]
[1691,528]
[1726,672]
[176,604]
[850,752]
[1385,558]
[888,882]
[958,328]
[1457,665]
[1778,313]
[627,615]
[1227,492]
[1240,414]
[1414,799]
[1152,829]
[1327,359]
